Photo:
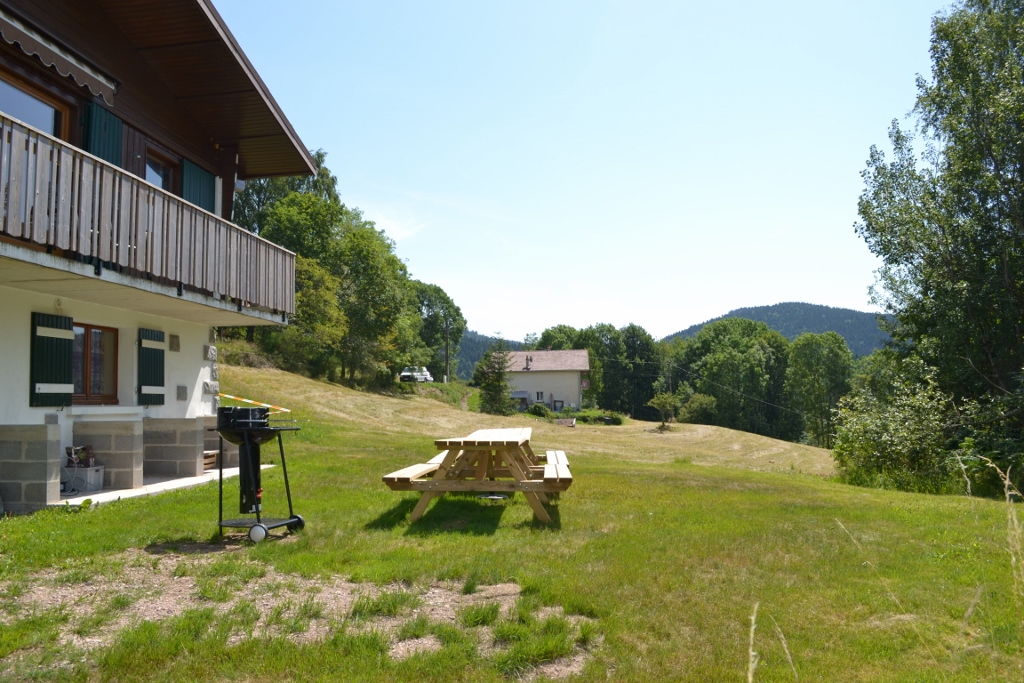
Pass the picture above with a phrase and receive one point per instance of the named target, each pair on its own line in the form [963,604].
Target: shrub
[699,409]
[902,441]
[540,410]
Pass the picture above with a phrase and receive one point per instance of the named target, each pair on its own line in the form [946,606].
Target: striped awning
[67,64]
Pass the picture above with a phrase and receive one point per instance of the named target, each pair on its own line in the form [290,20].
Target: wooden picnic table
[486,461]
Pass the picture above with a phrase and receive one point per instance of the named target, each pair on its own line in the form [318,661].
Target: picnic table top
[513,436]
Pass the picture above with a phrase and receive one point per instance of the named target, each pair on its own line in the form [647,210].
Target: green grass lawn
[655,560]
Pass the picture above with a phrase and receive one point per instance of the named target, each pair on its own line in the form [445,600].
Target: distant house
[554,378]
[125,128]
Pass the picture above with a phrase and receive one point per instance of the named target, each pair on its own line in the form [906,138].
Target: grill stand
[248,452]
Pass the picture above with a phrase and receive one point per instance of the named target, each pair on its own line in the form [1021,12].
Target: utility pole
[447,349]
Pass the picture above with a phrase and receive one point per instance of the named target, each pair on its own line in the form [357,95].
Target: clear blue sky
[546,162]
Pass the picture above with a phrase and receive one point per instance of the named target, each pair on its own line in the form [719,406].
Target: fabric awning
[67,64]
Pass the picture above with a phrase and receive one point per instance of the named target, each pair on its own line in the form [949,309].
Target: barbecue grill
[249,428]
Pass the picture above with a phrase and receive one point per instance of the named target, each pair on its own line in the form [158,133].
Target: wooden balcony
[73,204]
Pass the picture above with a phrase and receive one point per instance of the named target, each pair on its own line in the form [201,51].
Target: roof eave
[229,39]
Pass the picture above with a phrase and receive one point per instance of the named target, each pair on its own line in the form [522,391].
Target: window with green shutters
[50,376]
[151,367]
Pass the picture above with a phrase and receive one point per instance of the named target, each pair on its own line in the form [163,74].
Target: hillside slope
[428,419]
[791,319]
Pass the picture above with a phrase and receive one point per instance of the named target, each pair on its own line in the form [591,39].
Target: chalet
[554,378]
[125,128]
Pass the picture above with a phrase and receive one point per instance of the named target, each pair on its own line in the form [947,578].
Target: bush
[904,441]
[601,417]
[242,353]
[699,409]
[540,410]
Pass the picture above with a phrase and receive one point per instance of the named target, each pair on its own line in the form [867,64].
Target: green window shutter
[151,367]
[102,133]
[197,186]
[53,338]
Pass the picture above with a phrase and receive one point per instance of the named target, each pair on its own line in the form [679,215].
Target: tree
[949,227]
[306,224]
[374,291]
[602,342]
[640,362]
[558,338]
[312,341]
[442,322]
[817,376]
[260,195]
[742,365]
[491,375]
[665,402]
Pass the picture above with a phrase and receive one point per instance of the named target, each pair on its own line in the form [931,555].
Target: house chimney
[528,360]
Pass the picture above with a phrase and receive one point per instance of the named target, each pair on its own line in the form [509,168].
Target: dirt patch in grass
[161,583]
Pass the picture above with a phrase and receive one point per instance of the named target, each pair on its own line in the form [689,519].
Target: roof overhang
[188,45]
[37,271]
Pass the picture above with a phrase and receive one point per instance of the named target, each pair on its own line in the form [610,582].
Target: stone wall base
[117,446]
[30,459]
[172,447]
[212,442]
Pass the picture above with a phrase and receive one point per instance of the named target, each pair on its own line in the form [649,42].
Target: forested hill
[791,319]
[472,349]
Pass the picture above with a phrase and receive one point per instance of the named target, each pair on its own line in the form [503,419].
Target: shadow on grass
[393,517]
[462,513]
[534,523]
[188,545]
[453,512]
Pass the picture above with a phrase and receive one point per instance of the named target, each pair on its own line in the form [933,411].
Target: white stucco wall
[185,367]
[557,386]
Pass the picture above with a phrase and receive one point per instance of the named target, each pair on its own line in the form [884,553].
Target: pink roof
[576,360]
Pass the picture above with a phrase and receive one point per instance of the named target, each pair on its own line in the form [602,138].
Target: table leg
[446,465]
[483,463]
[538,507]
[516,466]
[421,506]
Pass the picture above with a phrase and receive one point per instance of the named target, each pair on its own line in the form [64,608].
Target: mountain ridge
[860,329]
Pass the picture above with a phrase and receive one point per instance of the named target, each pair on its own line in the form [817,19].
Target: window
[94,364]
[540,395]
[160,170]
[26,104]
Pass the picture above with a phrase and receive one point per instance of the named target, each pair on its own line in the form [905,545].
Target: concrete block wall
[117,446]
[173,447]
[212,442]
[30,458]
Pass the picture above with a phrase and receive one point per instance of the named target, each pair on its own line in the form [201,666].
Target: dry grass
[636,441]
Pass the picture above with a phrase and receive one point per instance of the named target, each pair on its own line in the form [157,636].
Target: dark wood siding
[143,100]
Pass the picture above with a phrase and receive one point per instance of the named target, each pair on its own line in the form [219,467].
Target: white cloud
[396,227]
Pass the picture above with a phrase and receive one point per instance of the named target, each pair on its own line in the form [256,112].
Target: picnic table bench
[488,460]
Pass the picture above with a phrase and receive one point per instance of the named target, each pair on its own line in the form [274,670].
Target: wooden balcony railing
[60,197]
